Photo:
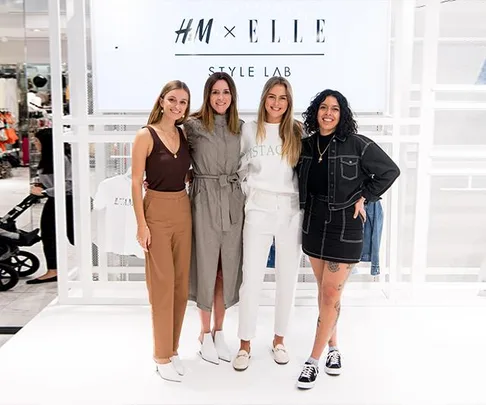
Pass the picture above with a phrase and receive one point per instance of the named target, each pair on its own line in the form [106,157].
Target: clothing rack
[9,151]
[7,129]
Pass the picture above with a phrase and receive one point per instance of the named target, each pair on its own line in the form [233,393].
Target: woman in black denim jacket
[338,171]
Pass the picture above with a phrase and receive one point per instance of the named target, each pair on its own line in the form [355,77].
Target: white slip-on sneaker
[168,372]
[221,347]
[208,351]
[241,361]
[177,363]
[280,354]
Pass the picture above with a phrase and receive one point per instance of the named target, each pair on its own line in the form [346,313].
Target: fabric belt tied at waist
[224,181]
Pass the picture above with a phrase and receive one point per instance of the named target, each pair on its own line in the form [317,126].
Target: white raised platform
[391,355]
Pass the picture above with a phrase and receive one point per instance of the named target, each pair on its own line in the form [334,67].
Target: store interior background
[452,282]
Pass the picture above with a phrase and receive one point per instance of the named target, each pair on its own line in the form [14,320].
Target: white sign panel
[315,44]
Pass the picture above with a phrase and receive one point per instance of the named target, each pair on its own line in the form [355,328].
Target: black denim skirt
[331,235]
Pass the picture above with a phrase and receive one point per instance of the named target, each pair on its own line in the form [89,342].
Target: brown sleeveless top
[164,170]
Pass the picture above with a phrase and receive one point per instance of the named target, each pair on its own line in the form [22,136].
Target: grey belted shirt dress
[217,210]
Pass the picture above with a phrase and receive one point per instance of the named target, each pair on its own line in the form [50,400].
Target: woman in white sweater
[270,150]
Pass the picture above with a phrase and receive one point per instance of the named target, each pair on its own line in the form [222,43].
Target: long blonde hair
[206,112]
[157,112]
[290,130]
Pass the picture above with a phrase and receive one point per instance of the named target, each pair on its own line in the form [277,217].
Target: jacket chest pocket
[349,167]
[303,167]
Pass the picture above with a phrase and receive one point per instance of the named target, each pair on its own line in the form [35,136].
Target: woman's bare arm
[142,147]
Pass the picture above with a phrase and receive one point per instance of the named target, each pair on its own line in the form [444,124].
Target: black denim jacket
[357,167]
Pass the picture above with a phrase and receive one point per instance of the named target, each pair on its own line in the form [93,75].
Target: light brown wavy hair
[290,130]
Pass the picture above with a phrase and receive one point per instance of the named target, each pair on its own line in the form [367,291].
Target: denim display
[373,228]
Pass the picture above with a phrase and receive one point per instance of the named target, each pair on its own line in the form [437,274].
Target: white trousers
[267,216]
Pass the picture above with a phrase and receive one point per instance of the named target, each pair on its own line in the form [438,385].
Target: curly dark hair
[347,124]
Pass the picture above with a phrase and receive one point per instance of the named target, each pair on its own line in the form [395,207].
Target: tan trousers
[168,216]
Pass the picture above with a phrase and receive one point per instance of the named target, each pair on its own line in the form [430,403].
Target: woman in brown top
[164,220]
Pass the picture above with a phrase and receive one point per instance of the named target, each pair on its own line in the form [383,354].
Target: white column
[402,83]
[58,146]
[429,77]
[77,62]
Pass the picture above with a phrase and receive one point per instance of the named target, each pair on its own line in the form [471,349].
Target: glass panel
[463,19]
[458,127]
[457,237]
[457,18]
[458,63]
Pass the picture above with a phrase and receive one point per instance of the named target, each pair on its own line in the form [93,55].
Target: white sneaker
[208,351]
[177,363]
[280,354]
[221,347]
[241,361]
[168,372]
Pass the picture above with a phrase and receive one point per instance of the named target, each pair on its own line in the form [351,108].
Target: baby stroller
[15,263]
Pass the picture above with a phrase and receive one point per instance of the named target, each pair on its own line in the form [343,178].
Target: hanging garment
[3,134]
[9,130]
[118,228]
[3,96]
[9,96]
[12,97]
[373,228]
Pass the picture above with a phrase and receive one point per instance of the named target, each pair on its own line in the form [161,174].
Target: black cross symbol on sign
[230,31]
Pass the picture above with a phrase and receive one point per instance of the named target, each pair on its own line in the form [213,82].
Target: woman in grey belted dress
[217,203]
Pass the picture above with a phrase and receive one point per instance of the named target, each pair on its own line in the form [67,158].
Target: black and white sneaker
[333,363]
[307,378]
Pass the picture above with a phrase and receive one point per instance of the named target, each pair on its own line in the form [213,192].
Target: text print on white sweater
[261,165]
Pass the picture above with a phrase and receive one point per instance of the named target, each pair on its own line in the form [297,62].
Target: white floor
[391,355]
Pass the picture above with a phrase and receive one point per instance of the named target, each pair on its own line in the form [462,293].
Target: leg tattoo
[337,307]
[333,267]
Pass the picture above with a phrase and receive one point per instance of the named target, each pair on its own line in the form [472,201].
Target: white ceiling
[13,25]
[31,6]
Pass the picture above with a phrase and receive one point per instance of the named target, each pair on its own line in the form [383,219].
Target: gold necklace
[173,134]
[319,149]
